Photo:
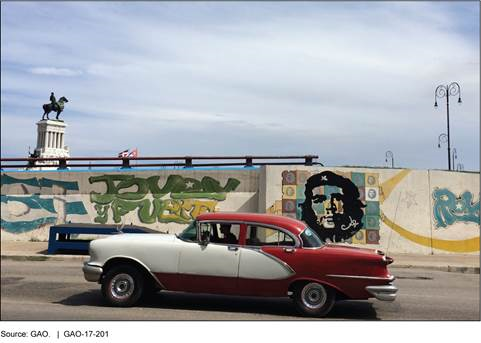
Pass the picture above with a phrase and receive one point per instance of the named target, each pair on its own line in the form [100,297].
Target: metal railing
[171,161]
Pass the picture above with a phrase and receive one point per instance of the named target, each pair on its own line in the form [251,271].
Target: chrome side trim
[390,278]
[383,293]
[92,272]
[282,263]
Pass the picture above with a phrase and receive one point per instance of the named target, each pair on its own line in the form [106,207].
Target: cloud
[52,71]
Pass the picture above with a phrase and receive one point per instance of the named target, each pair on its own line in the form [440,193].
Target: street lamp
[390,155]
[443,91]
[455,156]
[442,138]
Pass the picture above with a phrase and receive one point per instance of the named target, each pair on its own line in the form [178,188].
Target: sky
[345,81]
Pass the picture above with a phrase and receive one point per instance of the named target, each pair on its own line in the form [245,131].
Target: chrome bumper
[384,293]
[92,272]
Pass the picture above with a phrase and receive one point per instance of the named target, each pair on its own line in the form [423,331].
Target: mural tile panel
[371,222]
[372,208]
[289,192]
[372,180]
[358,179]
[372,193]
[289,206]
[359,237]
[372,236]
[289,177]
[302,176]
[300,192]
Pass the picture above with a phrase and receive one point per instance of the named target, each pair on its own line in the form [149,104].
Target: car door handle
[289,250]
[232,248]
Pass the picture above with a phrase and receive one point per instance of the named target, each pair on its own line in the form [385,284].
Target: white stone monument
[50,142]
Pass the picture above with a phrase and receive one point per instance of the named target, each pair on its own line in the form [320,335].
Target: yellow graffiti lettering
[197,207]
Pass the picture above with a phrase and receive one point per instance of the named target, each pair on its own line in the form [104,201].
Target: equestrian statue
[55,106]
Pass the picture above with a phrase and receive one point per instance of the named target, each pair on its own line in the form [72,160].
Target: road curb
[45,257]
[451,269]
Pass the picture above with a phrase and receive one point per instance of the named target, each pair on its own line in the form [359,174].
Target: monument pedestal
[50,143]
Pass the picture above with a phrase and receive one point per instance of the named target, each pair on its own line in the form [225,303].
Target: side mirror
[205,238]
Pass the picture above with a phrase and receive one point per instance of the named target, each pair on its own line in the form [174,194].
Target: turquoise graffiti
[39,208]
[449,209]
[179,199]
[40,182]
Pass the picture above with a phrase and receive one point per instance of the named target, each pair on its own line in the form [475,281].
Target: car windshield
[190,232]
[310,239]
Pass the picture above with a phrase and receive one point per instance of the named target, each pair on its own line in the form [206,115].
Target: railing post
[62,164]
[31,163]
[248,161]
[125,163]
[188,162]
[308,160]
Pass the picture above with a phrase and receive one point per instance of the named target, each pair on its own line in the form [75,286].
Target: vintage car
[239,254]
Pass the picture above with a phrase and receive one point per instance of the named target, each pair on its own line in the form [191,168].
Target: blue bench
[60,235]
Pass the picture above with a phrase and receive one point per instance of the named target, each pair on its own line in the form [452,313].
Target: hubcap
[122,286]
[313,295]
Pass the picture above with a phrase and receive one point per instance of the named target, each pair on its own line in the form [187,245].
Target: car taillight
[387,259]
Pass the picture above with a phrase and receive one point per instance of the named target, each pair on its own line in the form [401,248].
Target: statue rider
[53,101]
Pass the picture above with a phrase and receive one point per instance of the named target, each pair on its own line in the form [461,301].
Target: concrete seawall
[398,210]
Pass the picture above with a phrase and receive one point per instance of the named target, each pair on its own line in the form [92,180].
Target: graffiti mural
[449,209]
[341,207]
[179,200]
[31,209]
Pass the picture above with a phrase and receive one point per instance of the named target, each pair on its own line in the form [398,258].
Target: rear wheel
[313,299]
[123,286]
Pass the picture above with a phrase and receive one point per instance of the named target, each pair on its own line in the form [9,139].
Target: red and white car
[239,254]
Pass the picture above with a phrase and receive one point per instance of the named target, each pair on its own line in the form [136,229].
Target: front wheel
[123,286]
[314,299]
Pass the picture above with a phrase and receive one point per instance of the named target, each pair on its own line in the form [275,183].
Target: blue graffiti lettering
[449,209]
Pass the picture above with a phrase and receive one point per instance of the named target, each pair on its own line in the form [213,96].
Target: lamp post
[390,155]
[443,91]
[455,156]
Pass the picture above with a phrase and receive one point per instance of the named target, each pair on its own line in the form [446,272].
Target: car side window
[190,232]
[224,233]
[260,236]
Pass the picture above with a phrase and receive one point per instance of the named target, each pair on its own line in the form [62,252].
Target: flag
[124,153]
[134,153]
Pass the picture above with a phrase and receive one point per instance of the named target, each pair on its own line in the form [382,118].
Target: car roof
[291,224]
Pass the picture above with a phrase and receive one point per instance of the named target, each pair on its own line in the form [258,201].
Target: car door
[211,267]
[264,267]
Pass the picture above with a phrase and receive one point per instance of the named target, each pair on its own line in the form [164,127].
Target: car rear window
[310,239]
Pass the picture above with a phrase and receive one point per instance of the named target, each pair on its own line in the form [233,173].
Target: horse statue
[58,107]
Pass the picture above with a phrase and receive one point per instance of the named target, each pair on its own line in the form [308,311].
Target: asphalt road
[56,290]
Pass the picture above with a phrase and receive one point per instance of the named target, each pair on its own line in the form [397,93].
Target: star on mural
[189,184]
[410,199]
